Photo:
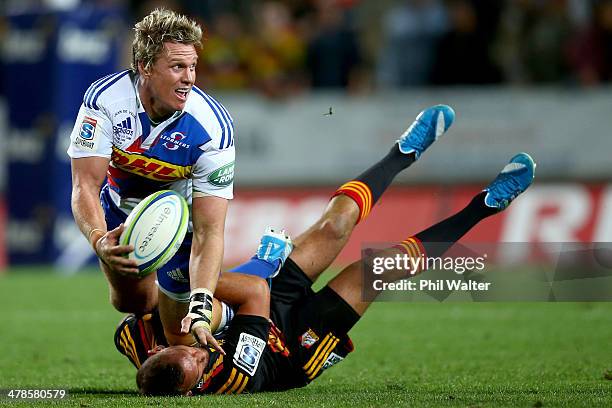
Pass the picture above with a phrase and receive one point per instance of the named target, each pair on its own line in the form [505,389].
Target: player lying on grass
[141,333]
[307,332]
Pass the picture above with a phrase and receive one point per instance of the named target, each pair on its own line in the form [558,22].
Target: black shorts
[315,325]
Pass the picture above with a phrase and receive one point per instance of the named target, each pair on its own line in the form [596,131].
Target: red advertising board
[568,212]
[565,212]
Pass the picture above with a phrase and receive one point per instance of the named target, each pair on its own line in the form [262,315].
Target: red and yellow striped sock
[414,248]
[360,193]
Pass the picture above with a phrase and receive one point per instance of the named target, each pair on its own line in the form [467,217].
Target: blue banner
[50,60]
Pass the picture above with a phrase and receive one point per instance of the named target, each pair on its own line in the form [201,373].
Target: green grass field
[57,332]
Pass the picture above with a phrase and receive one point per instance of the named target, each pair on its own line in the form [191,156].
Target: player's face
[193,360]
[171,78]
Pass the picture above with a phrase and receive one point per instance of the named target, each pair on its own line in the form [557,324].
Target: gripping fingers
[122,261]
[121,249]
[123,265]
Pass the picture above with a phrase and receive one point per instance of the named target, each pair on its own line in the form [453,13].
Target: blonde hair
[162,25]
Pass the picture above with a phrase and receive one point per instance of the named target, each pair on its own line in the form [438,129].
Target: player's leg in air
[514,179]
[323,320]
[317,248]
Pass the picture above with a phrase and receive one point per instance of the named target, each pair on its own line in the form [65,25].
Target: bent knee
[336,226]
[259,289]
[130,295]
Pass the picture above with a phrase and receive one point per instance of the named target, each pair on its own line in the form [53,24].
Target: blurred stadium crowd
[285,47]
[282,48]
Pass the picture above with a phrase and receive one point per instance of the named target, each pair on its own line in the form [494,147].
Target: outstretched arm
[208,215]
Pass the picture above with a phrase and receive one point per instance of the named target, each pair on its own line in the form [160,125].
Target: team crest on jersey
[223,176]
[174,141]
[248,352]
[333,359]
[308,339]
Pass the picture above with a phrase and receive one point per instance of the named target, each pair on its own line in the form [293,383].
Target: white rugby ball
[156,228]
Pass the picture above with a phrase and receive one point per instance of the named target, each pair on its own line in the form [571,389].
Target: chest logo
[149,167]
[174,141]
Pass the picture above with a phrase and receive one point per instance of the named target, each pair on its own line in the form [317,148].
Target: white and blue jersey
[191,152]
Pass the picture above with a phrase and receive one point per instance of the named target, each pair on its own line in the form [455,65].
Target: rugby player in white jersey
[147,129]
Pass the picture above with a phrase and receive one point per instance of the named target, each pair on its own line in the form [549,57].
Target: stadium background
[528,75]
[522,75]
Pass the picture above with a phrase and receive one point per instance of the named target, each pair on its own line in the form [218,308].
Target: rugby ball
[156,228]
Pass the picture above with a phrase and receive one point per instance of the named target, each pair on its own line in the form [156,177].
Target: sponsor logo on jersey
[223,176]
[88,128]
[248,352]
[87,133]
[308,339]
[174,141]
[123,128]
[149,167]
[333,359]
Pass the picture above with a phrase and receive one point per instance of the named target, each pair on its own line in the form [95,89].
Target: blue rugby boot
[514,178]
[275,248]
[426,129]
